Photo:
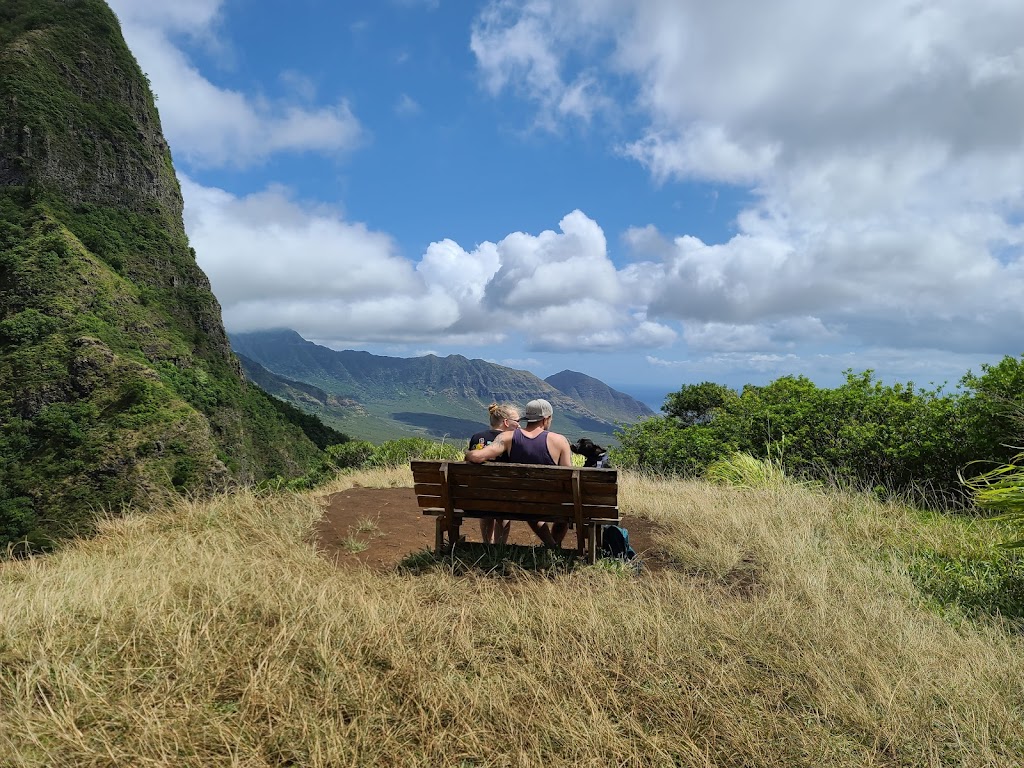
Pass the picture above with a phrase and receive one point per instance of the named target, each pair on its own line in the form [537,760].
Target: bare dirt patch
[379,527]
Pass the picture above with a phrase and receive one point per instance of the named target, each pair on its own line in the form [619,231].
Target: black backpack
[615,542]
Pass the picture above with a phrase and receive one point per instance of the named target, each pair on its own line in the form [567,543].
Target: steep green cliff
[117,381]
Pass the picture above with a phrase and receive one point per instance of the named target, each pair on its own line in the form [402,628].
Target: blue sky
[652,193]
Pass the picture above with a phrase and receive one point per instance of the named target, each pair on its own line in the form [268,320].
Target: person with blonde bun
[502,418]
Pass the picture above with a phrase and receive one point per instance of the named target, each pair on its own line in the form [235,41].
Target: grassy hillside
[794,628]
[117,381]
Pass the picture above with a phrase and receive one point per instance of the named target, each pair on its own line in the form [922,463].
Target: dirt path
[390,525]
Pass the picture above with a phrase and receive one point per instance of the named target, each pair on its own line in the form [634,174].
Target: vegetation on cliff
[118,382]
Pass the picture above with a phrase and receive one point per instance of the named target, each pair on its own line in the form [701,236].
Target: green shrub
[1002,489]
[350,455]
[741,470]
[394,453]
[910,441]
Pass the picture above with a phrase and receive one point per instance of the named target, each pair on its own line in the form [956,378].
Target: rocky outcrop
[77,116]
[117,381]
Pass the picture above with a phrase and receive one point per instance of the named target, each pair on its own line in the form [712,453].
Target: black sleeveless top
[530,450]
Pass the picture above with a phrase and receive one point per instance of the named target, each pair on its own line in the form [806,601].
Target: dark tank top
[526,450]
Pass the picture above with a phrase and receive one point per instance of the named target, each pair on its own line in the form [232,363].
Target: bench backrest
[518,490]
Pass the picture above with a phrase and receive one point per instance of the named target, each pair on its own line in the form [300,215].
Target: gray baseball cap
[537,410]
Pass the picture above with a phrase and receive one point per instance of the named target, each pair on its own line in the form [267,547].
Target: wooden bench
[453,490]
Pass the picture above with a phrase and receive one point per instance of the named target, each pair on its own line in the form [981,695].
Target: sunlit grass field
[790,629]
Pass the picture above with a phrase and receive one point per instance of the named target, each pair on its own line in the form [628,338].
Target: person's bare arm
[492,451]
[558,447]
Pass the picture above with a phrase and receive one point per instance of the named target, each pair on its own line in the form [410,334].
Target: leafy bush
[899,437]
[350,455]
[394,453]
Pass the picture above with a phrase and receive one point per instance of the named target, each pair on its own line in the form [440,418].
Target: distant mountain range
[374,397]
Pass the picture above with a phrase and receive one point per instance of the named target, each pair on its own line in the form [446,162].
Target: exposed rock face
[67,75]
[116,377]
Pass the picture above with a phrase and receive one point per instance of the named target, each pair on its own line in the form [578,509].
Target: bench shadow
[503,561]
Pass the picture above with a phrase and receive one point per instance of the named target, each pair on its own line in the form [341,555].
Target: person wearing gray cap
[532,444]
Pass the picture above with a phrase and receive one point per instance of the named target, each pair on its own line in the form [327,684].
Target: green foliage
[322,435]
[351,455]
[698,403]
[395,453]
[987,582]
[106,397]
[899,437]
[741,470]
[1002,489]
[658,445]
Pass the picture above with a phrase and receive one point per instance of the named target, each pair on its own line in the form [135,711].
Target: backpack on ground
[615,542]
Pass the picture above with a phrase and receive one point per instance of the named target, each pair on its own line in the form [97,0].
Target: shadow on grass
[504,560]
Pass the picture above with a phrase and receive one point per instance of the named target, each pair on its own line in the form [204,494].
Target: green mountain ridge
[117,381]
[386,397]
[599,397]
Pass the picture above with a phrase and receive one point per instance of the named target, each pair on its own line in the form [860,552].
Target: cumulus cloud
[882,144]
[274,261]
[211,126]
[517,48]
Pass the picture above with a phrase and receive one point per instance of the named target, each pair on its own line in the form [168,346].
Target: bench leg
[453,531]
[443,526]
[592,543]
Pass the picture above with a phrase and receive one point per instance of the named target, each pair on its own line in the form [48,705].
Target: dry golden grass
[211,633]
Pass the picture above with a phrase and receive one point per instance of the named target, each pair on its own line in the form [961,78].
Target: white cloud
[519,51]
[931,367]
[662,363]
[211,126]
[273,262]
[882,144]
[276,262]
[188,16]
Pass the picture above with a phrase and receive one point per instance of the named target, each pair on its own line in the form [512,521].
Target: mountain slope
[599,397]
[116,377]
[394,396]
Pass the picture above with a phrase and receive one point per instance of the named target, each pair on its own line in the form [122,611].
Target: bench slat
[473,515]
[532,511]
[523,495]
[459,469]
[559,483]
